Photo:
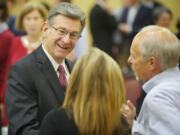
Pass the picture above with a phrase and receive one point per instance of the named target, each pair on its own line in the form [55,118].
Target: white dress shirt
[56,65]
[160,112]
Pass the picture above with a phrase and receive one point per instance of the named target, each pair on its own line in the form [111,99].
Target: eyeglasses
[62,32]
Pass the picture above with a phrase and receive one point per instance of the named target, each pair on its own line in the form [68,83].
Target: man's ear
[154,64]
[45,27]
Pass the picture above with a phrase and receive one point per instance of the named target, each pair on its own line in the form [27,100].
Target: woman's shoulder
[58,117]
[57,114]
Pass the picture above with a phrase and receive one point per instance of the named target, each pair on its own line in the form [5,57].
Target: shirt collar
[157,79]
[56,65]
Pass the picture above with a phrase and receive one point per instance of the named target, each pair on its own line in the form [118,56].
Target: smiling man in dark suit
[33,87]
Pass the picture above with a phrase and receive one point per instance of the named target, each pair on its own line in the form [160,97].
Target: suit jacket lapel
[46,67]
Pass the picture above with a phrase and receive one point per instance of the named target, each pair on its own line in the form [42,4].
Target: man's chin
[60,55]
[139,80]
[58,58]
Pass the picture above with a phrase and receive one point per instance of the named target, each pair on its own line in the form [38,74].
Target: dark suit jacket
[143,18]
[102,26]
[33,89]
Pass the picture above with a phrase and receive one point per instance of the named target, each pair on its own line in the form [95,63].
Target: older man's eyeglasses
[62,32]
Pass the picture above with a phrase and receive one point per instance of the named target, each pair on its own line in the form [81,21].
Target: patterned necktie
[62,77]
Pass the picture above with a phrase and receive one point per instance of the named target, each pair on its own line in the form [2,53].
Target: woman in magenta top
[30,20]
[5,41]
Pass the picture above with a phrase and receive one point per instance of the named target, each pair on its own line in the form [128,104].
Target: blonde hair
[27,8]
[95,94]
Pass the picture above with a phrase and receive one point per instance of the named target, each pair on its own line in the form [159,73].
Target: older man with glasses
[37,83]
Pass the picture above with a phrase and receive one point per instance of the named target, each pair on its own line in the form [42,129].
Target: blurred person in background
[117,13]
[93,100]
[178,27]
[102,26]
[30,19]
[37,82]
[6,38]
[13,8]
[151,3]
[135,17]
[162,16]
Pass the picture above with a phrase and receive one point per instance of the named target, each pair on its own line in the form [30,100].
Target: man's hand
[129,112]
[123,28]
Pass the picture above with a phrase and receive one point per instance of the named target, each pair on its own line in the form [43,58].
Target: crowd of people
[53,83]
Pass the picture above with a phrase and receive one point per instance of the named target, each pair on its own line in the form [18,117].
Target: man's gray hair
[67,9]
[163,45]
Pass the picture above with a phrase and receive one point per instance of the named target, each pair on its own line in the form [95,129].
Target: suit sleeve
[21,103]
